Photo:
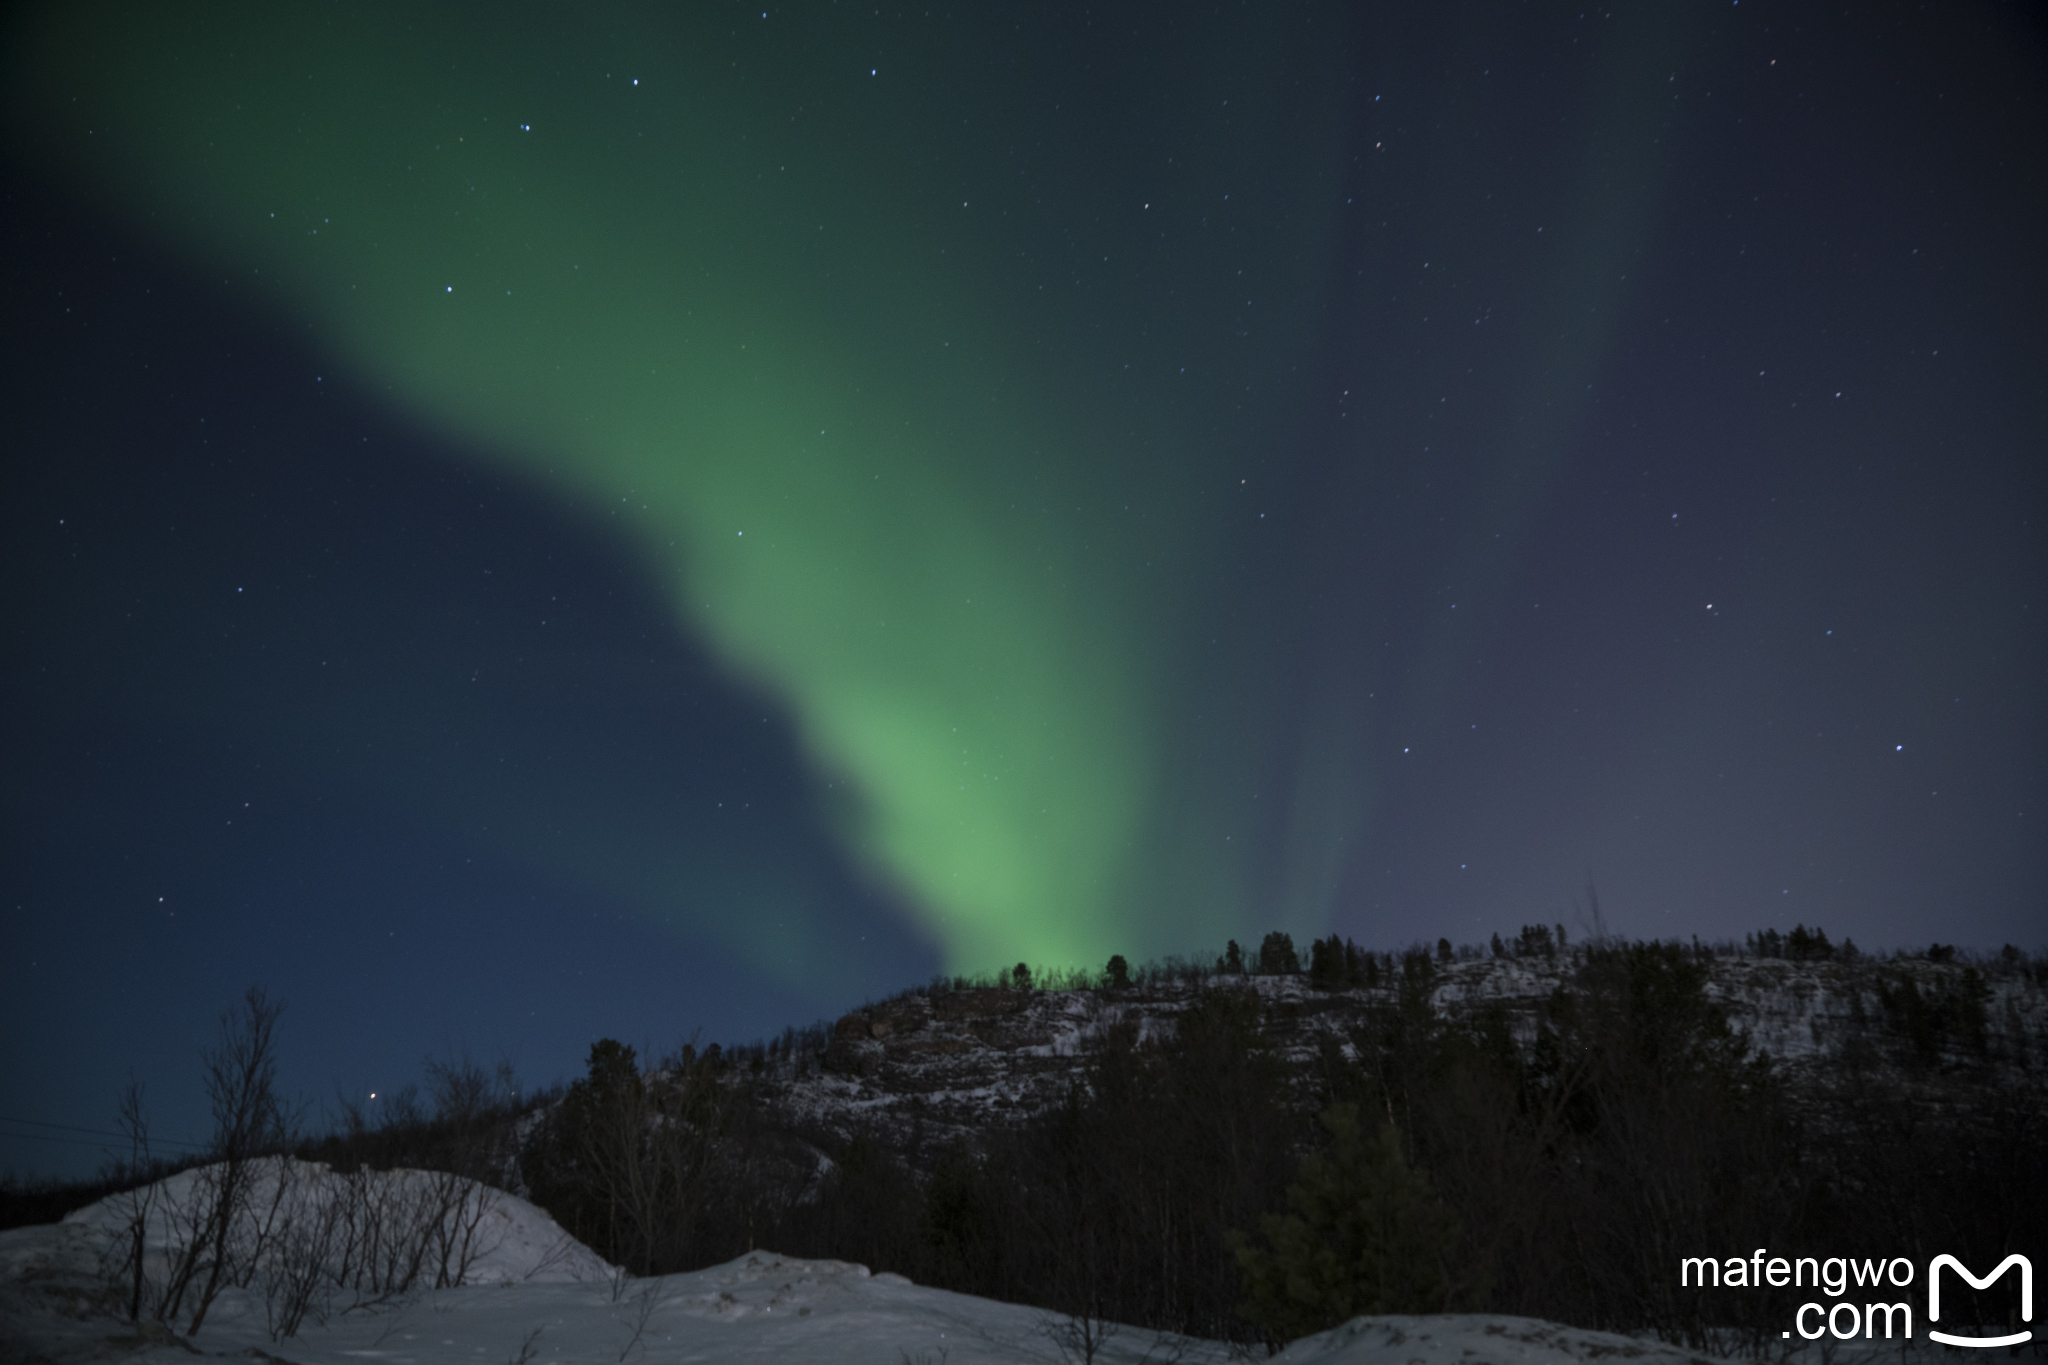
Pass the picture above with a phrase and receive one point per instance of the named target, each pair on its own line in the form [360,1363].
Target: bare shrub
[205,1252]
[1079,1337]
[313,1241]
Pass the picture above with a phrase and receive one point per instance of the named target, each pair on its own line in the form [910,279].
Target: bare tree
[130,1253]
[644,1303]
[1079,1337]
[313,1240]
[472,1110]
[528,1348]
[628,1156]
[295,1270]
[240,1074]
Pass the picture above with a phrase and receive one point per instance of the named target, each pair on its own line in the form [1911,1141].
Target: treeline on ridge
[1557,1164]
[1197,1182]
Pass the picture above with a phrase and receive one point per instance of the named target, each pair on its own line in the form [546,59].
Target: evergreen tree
[573,1166]
[1365,1234]
[1277,956]
[1802,945]
[1326,964]
[1359,967]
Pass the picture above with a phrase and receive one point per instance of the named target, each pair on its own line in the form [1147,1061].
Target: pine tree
[1277,956]
[585,1161]
[1326,964]
[1365,1234]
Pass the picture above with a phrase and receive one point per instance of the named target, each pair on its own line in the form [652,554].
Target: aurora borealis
[851,450]
[1144,478]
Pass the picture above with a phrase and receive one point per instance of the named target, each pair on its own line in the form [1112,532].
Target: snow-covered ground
[760,1307]
[534,1297]
[1469,1338]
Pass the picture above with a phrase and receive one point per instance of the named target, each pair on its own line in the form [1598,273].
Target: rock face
[925,1067]
[955,1060]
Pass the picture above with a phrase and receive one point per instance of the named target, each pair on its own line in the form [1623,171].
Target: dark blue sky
[1728,601]
[265,706]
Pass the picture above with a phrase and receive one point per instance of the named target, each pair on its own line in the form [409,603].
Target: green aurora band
[927,441]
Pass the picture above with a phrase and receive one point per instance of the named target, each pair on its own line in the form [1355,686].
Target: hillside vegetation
[1251,1147]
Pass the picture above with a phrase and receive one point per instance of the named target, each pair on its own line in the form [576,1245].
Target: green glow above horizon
[939,384]
[794,357]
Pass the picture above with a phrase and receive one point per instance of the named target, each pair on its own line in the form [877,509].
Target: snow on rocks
[956,1063]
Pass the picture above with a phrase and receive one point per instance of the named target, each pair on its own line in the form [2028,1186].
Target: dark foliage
[1119,1204]
[1930,1023]
[1363,1233]
[1801,945]
[1340,964]
[1277,956]
[1632,1127]
[630,1164]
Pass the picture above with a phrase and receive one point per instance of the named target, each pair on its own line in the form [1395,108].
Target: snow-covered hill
[951,1063]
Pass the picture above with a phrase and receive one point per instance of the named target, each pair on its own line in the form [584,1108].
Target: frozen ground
[761,1307]
[534,1297]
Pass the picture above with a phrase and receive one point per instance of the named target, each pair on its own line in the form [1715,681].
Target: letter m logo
[1934,1298]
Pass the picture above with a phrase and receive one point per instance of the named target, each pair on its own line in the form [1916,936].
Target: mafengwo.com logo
[1849,1320]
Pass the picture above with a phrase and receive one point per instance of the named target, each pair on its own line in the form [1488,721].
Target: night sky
[525,523]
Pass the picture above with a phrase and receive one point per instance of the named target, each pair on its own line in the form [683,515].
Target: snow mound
[483,1235]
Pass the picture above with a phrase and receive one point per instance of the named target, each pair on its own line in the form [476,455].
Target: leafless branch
[527,1349]
[644,1303]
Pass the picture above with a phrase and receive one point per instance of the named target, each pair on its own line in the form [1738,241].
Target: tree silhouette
[1365,1233]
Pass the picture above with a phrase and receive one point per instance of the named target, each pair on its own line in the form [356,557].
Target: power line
[97,1132]
[67,1127]
[52,1137]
